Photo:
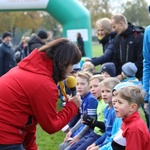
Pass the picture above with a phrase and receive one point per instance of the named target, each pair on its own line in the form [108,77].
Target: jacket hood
[37,62]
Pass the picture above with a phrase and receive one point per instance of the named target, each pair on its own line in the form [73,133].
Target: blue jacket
[108,50]
[7,59]
[146,62]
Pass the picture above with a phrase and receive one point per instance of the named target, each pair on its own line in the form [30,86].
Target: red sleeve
[30,140]
[43,103]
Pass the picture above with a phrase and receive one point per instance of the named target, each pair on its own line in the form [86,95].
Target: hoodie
[29,96]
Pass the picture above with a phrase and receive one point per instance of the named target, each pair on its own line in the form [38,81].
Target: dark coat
[108,50]
[128,48]
[7,59]
[80,44]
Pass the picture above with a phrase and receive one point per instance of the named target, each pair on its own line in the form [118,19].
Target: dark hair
[63,53]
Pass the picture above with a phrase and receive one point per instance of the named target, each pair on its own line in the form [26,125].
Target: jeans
[12,147]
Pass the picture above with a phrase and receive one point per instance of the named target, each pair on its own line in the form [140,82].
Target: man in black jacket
[128,44]
[7,59]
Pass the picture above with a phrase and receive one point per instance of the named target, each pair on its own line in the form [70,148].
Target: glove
[88,120]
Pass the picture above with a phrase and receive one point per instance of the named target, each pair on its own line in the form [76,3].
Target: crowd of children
[111,116]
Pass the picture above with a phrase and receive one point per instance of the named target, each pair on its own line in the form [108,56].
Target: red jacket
[136,133]
[28,95]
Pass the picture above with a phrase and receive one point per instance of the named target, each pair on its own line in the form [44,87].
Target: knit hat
[42,34]
[6,34]
[129,69]
[122,85]
[109,68]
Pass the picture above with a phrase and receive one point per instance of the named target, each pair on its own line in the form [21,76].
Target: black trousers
[12,147]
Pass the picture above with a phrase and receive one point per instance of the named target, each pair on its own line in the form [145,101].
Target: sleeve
[30,140]
[44,101]
[1,62]
[83,131]
[101,139]
[116,54]
[76,126]
[146,62]
[106,57]
[99,124]
[139,54]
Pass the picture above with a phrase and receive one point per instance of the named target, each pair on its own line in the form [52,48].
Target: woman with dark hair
[29,95]
[80,43]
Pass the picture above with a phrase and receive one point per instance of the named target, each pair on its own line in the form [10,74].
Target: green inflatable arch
[71,14]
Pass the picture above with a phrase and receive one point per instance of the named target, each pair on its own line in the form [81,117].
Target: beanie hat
[129,69]
[122,85]
[109,68]
[42,34]
[6,34]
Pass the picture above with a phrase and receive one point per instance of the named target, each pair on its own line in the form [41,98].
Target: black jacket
[108,50]
[128,48]
[7,59]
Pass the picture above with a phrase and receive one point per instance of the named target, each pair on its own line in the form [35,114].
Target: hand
[87,59]
[91,146]
[74,140]
[76,99]
[146,108]
[87,119]
[68,135]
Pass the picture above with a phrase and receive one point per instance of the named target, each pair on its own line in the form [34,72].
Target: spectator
[80,43]
[128,44]
[106,38]
[36,41]
[7,57]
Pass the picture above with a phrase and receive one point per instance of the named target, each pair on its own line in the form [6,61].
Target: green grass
[51,142]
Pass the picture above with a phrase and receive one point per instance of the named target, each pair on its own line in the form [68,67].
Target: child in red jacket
[134,134]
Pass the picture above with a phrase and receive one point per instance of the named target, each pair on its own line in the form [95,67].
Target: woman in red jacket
[28,95]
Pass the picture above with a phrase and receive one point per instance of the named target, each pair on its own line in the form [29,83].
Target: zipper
[127,51]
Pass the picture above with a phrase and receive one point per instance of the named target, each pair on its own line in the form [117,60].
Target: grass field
[51,142]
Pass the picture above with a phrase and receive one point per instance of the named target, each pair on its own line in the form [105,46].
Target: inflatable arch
[71,14]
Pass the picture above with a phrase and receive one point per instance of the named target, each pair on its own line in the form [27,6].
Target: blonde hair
[132,94]
[84,74]
[99,77]
[88,66]
[110,82]
[105,23]
[119,17]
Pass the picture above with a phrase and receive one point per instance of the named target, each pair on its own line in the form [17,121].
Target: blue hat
[129,69]
[109,68]
[122,85]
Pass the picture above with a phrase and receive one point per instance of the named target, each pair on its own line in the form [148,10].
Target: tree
[137,12]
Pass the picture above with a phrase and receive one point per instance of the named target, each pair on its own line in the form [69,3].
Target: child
[134,134]
[109,115]
[96,92]
[108,70]
[89,105]
[129,70]
[88,66]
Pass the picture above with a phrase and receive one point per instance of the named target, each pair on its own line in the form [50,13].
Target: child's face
[82,86]
[106,94]
[105,74]
[122,107]
[95,88]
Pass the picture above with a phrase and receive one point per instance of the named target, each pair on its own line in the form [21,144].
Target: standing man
[128,44]
[7,59]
